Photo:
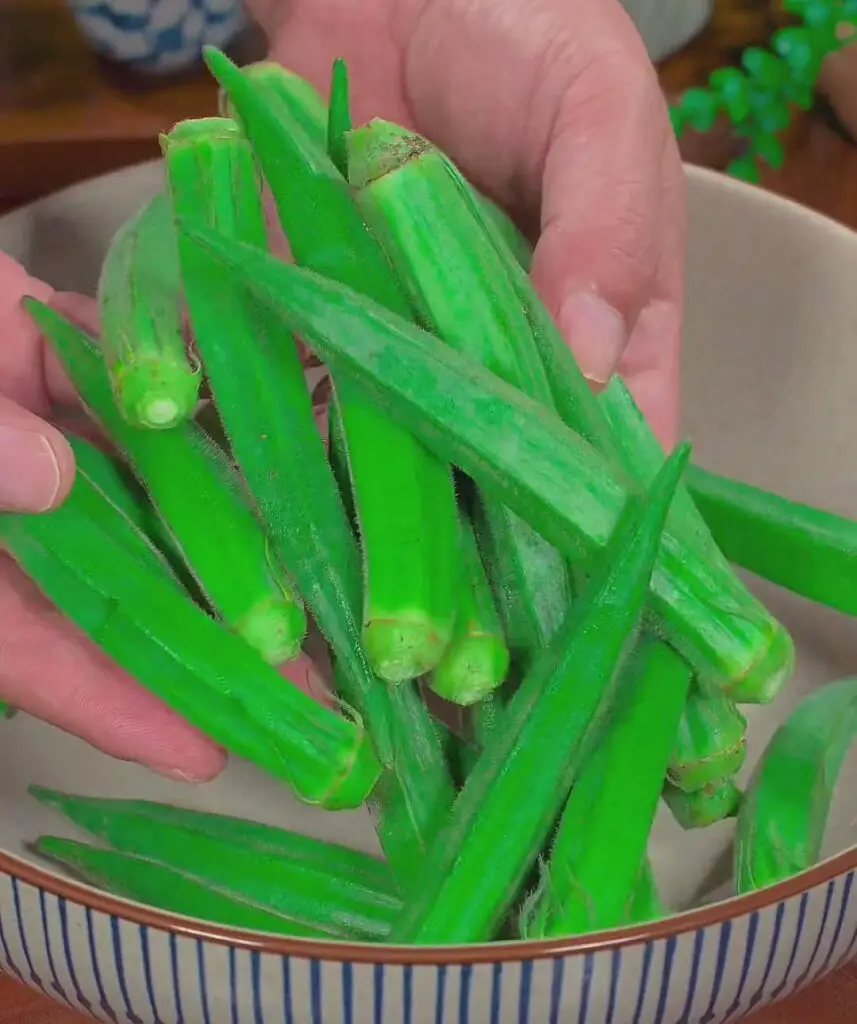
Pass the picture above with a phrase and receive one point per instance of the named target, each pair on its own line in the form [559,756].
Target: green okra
[297,888]
[157,885]
[410,543]
[200,501]
[245,351]
[804,549]
[476,661]
[786,804]
[339,117]
[151,374]
[714,802]
[599,850]
[646,904]
[535,754]
[417,210]
[98,815]
[509,445]
[711,742]
[206,673]
[509,232]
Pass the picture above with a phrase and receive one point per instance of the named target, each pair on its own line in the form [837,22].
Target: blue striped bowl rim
[438,956]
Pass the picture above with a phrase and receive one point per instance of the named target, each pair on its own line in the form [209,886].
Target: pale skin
[551,107]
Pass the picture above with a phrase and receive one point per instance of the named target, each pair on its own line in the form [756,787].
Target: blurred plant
[758,97]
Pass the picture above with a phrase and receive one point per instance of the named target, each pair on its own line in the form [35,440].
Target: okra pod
[711,742]
[212,675]
[703,807]
[405,501]
[190,482]
[600,846]
[415,208]
[246,352]
[786,804]
[99,815]
[804,549]
[535,754]
[299,890]
[508,231]
[139,303]
[476,661]
[339,117]
[510,446]
[646,904]
[157,885]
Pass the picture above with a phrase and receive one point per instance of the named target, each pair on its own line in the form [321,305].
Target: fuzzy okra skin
[713,802]
[510,446]
[210,676]
[103,816]
[536,752]
[410,543]
[298,889]
[711,742]
[245,351]
[600,846]
[199,499]
[804,549]
[783,814]
[476,661]
[157,885]
[646,904]
[416,209]
[139,303]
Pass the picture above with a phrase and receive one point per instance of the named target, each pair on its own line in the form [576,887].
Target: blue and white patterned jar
[158,36]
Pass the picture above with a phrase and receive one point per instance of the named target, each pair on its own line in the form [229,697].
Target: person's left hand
[553,108]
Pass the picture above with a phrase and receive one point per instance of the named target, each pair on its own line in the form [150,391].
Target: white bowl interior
[768,396]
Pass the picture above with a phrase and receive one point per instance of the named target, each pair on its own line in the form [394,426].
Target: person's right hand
[47,667]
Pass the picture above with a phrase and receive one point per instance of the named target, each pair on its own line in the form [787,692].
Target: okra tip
[764,679]
[400,649]
[470,671]
[276,629]
[157,395]
[358,780]
[380,148]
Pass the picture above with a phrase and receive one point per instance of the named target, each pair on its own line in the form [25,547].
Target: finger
[49,669]
[36,461]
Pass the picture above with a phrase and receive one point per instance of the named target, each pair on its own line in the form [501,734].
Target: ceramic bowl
[770,392]
[157,36]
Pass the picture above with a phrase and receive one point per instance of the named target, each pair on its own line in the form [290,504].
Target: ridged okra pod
[245,351]
[509,445]
[137,615]
[139,302]
[476,661]
[201,502]
[703,807]
[339,117]
[599,850]
[711,742]
[787,801]
[404,495]
[157,885]
[537,751]
[461,291]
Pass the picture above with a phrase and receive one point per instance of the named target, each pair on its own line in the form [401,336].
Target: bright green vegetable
[139,303]
[510,446]
[146,881]
[97,814]
[309,893]
[599,850]
[703,807]
[711,743]
[405,501]
[514,238]
[417,210]
[246,352]
[339,117]
[785,808]
[540,744]
[806,550]
[207,674]
[477,659]
[646,902]
[199,498]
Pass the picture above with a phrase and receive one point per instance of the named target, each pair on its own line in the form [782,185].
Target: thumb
[36,461]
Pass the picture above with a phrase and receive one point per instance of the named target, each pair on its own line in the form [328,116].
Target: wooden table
[56,98]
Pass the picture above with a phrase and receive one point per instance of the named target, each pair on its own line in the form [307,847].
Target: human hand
[552,108]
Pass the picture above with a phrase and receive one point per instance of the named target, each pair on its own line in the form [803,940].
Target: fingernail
[596,333]
[29,471]
[177,775]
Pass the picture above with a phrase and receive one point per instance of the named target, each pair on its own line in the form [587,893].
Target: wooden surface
[64,117]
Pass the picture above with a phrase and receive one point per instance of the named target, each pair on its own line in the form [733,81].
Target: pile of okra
[480,533]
